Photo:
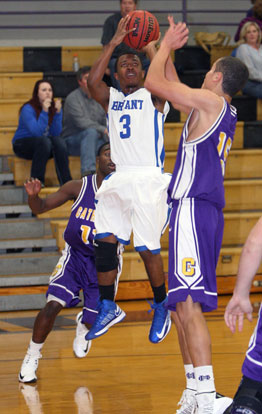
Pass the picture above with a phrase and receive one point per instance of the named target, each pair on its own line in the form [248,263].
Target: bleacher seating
[242,182]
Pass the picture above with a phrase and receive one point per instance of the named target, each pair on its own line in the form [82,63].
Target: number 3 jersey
[200,165]
[136,129]
[79,233]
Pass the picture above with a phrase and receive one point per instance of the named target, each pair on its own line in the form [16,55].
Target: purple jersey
[80,230]
[200,164]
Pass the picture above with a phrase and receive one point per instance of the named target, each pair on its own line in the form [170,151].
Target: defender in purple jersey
[196,196]
[75,271]
[248,398]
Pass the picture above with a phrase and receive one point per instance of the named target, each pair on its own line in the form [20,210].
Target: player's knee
[52,308]
[106,256]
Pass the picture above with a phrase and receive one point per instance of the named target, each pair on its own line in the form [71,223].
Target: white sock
[35,348]
[204,379]
[190,377]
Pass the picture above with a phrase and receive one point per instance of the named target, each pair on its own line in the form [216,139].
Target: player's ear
[116,76]
[217,76]
[143,74]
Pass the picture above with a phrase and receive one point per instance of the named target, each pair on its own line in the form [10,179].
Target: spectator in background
[256,17]
[84,124]
[250,11]
[250,52]
[109,29]
[37,136]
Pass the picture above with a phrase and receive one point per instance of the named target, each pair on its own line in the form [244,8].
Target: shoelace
[189,403]
[207,409]
[29,356]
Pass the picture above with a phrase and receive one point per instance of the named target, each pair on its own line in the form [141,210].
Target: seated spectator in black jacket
[37,136]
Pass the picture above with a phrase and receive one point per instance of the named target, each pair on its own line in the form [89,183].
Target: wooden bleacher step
[28,263]
[243,195]
[18,85]
[9,111]
[11,59]
[87,55]
[25,227]
[43,243]
[6,135]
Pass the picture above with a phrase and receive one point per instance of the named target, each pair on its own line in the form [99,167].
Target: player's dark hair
[135,1]
[130,52]
[82,71]
[35,103]
[235,74]
[101,147]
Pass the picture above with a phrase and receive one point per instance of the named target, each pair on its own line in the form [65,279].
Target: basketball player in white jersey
[196,196]
[134,197]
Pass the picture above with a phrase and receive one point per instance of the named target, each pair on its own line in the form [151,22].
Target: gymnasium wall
[79,22]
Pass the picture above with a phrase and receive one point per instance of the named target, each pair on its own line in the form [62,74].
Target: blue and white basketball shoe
[109,313]
[161,323]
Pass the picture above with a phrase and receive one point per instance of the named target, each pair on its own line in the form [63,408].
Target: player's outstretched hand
[177,34]
[121,31]
[151,45]
[32,186]
[235,311]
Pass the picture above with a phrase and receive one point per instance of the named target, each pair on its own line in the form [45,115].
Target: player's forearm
[170,71]
[156,71]
[250,260]
[98,69]
[36,204]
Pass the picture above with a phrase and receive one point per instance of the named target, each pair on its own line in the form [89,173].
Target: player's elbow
[149,85]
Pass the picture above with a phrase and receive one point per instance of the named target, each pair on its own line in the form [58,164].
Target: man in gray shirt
[84,124]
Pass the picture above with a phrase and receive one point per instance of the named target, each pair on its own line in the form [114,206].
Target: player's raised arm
[250,259]
[98,89]
[179,94]
[38,205]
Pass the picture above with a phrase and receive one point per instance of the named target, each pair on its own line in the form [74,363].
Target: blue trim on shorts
[102,235]
[125,242]
[143,248]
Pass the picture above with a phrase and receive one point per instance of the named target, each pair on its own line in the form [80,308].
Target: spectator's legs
[88,147]
[85,145]
[253,88]
[36,149]
[61,160]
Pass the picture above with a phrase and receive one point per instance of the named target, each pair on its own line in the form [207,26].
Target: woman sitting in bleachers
[250,52]
[37,136]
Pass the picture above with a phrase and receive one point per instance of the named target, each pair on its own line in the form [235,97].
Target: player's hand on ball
[121,31]
[151,45]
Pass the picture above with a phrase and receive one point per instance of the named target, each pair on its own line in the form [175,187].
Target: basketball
[146,29]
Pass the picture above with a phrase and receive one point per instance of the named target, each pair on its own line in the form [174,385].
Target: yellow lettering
[222,138]
[85,233]
[79,211]
[83,215]
[188,266]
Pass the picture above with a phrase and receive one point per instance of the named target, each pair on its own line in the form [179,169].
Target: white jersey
[136,129]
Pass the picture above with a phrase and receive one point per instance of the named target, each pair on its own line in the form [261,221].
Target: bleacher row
[29,246]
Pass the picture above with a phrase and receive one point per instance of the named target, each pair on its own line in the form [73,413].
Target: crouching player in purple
[196,195]
[76,268]
[248,398]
